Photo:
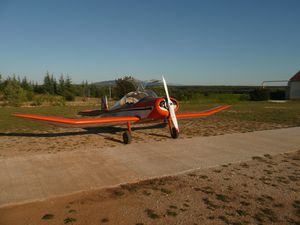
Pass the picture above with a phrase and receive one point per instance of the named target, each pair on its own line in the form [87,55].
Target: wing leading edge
[208,112]
[84,121]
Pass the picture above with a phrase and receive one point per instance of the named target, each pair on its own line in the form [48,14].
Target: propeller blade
[170,106]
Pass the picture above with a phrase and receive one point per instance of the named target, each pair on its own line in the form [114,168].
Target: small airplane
[135,107]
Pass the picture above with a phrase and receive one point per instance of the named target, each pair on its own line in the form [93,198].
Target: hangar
[293,90]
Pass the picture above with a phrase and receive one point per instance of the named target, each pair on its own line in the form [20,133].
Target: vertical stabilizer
[104,104]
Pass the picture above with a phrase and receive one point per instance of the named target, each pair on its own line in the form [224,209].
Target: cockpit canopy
[134,97]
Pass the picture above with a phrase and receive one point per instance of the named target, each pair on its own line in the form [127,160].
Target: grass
[277,113]
[224,219]
[118,193]
[241,212]
[151,214]
[171,213]
[11,123]
[210,205]
[69,220]
[48,217]
[222,198]
[165,191]
[268,112]
[104,220]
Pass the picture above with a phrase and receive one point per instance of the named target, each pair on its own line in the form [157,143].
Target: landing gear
[127,138]
[174,133]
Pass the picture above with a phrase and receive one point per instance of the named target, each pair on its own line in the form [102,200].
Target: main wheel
[127,137]
[174,133]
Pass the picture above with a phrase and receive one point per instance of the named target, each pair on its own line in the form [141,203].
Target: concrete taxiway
[41,176]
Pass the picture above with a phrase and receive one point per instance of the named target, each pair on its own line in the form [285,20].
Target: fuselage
[148,108]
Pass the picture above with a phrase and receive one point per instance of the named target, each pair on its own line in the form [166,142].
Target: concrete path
[36,177]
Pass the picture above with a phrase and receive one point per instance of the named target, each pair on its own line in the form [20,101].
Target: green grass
[13,124]
[278,113]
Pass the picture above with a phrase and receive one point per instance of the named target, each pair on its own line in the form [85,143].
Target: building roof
[296,77]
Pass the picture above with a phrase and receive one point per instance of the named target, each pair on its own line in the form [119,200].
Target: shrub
[69,96]
[278,94]
[244,97]
[13,94]
[37,100]
[259,94]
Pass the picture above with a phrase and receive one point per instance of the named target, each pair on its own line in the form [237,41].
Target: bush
[259,94]
[38,100]
[13,94]
[48,99]
[69,96]
[244,97]
[278,95]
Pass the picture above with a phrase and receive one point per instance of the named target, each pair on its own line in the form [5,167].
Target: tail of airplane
[104,104]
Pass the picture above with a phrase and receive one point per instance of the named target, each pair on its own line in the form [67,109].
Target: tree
[61,85]
[26,85]
[1,82]
[124,85]
[50,84]
[259,94]
[13,94]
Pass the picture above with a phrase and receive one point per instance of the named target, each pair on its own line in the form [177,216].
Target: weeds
[165,191]
[151,214]
[104,220]
[171,213]
[222,198]
[47,217]
[69,220]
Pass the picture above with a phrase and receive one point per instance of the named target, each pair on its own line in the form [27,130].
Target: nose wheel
[174,133]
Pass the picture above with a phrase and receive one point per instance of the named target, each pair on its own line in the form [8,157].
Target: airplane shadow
[86,130]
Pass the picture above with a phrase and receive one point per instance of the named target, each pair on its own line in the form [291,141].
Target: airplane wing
[205,113]
[84,121]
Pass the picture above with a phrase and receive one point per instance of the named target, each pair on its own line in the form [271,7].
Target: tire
[174,133]
[127,137]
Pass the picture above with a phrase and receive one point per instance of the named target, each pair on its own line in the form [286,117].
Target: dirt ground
[69,138]
[264,190]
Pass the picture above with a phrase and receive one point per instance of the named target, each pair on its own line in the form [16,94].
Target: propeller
[170,106]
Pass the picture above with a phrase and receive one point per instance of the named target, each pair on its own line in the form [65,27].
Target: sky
[212,42]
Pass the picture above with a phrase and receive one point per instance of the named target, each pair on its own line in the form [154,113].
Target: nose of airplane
[161,107]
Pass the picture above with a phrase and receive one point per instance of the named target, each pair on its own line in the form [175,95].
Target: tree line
[14,90]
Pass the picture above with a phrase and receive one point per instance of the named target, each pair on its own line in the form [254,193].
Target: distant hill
[148,83]
[106,83]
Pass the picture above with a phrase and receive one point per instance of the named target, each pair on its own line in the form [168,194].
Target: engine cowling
[161,109]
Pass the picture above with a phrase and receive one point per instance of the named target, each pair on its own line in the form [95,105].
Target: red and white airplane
[134,107]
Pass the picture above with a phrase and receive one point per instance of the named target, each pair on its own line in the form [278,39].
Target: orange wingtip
[84,121]
[208,112]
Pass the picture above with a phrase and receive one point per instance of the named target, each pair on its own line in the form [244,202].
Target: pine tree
[61,85]
[1,82]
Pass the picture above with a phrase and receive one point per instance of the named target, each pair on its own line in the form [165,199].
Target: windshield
[134,97]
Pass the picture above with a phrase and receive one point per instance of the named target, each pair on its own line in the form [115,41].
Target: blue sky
[218,42]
